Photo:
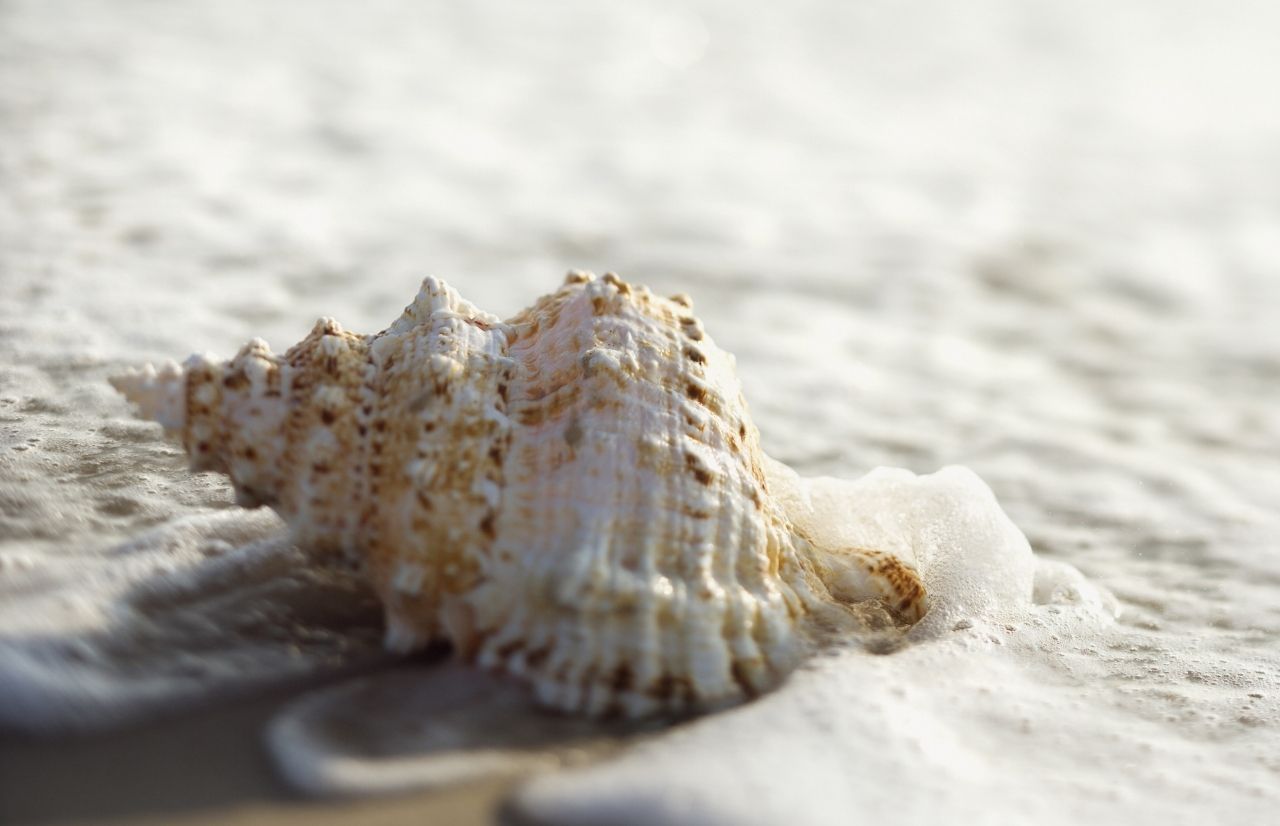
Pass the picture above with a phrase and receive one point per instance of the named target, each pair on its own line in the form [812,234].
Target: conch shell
[576,496]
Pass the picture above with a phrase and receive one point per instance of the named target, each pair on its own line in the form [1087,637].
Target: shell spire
[576,496]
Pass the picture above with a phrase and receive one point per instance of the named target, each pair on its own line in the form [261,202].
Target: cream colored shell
[576,496]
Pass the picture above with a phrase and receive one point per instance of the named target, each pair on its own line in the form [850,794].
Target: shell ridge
[447,369]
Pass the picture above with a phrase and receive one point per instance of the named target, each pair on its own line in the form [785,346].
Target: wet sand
[199,768]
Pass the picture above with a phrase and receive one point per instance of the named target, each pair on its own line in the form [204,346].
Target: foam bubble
[973,561]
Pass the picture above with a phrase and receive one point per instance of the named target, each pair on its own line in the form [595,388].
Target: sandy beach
[1036,240]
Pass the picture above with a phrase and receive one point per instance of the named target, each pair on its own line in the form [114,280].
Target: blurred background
[250,166]
[1038,238]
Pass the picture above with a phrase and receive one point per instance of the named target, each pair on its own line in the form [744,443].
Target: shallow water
[1039,240]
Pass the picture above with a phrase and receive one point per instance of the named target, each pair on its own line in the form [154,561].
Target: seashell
[576,496]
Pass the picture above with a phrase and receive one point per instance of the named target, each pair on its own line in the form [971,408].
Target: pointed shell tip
[158,394]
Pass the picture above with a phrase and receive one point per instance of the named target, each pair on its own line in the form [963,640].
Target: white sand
[1039,240]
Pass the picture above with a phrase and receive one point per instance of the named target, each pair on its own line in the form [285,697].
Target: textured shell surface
[576,496]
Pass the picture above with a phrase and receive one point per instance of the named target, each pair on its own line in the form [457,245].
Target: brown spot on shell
[622,678]
[536,658]
[664,688]
[573,433]
[703,476]
[694,465]
[738,671]
[612,278]
[691,327]
[695,512]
